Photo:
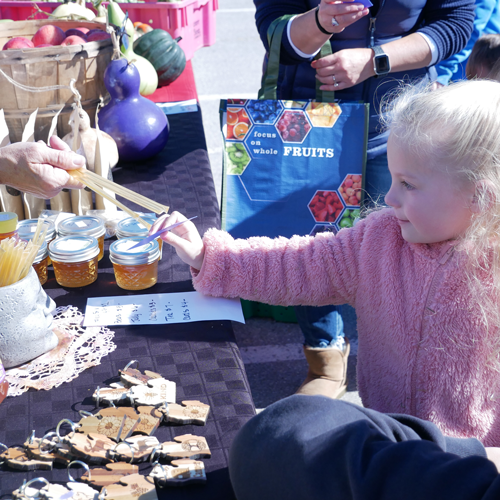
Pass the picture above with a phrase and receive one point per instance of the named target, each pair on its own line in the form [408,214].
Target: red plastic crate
[193,20]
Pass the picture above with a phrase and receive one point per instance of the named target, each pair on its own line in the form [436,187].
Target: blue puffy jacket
[448,23]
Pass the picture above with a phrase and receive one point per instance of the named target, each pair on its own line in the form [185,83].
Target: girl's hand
[344,69]
[344,13]
[184,238]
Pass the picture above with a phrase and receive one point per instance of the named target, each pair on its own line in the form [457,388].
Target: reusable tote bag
[291,167]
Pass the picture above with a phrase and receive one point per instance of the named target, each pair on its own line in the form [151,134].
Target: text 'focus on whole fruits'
[139,126]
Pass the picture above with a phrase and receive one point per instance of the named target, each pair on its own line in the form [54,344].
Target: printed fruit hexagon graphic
[350,190]
[323,114]
[325,206]
[238,123]
[264,111]
[348,217]
[293,126]
[237,158]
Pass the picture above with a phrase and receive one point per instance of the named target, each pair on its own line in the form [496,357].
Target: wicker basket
[49,66]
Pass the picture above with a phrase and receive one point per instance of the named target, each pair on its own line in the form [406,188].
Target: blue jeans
[323,326]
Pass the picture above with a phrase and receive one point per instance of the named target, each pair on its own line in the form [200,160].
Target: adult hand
[344,68]
[184,238]
[336,16]
[33,167]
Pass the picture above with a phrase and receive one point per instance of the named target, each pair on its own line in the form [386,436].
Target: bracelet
[316,10]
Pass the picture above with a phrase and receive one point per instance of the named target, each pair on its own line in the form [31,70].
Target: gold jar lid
[73,248]
[120,253]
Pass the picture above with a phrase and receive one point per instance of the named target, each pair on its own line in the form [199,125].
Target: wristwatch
[381,63]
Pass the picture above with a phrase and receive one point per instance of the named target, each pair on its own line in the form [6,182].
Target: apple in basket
[18,42]
[73,40]
[48,34]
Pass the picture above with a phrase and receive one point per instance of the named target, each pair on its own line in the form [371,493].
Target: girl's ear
[483,197]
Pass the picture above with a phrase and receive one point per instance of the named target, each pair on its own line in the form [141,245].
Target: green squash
[163,52]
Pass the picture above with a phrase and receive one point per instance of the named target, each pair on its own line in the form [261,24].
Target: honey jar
[135,269]
[130,228]
[8,225]
[27,229]
[41,262]
[74,259]
[84,225]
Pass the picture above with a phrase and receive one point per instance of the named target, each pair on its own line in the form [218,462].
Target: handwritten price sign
[160,309]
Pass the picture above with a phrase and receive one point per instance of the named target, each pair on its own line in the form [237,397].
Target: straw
[92,180]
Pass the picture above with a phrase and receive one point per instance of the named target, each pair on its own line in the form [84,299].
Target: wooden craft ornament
[133,487]
[92,448]
[49,448]
[179,473]
[190,412]
[135,449]
[116,393]
[110,474]
[156,393]
[135,377]
[17,458]
[186,446]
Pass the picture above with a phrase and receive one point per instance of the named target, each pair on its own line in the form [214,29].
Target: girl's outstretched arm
[184,238]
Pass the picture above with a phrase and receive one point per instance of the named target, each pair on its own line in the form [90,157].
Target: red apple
[76,32]
[73,40]
[18,42]
[83,29]
[98,35]
[48,34]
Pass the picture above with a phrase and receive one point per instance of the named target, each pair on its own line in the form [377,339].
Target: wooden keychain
[157,392]
[18,458]
[116,393]
[132,487]
[110,474]
[190,412]
[179,473]
[133,376]
[186,446]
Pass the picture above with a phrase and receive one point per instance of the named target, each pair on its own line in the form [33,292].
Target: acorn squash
[164,53]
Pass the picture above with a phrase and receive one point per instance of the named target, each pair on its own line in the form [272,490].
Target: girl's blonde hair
[457,129]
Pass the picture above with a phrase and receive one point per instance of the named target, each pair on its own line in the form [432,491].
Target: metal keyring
[71,423]
[85,414]
[54,446]
[31,438]
[130,363]
[6,448]
[157,464]
[153,451]
[22,489]
[114,452]
[98,396]
[80,463]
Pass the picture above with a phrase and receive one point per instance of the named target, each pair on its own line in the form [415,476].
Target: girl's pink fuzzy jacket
[423,347]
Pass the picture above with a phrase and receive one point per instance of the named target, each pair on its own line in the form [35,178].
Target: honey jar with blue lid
[135,269]
[8,225]
[84,225]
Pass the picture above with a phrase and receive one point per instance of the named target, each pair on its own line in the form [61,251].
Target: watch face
[382,64]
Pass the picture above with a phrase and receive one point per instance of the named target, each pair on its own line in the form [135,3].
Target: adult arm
[33,167]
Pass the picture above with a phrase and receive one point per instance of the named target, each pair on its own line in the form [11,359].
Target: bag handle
[269,84]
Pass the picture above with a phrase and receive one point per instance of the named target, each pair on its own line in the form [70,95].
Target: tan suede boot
[327,375]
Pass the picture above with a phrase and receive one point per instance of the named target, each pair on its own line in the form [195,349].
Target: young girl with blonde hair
[423,274]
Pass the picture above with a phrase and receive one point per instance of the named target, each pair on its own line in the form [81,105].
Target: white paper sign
[160,309]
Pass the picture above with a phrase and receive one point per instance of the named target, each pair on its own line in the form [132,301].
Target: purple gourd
[139,127]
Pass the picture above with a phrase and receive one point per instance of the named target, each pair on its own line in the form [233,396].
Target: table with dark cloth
[201,357]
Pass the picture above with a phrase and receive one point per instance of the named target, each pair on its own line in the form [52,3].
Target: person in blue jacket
[373,50]
[317,448]
[486,22]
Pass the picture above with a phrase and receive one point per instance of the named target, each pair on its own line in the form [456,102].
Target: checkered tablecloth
[202,358]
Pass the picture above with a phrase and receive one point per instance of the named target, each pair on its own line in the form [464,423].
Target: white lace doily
[79,348]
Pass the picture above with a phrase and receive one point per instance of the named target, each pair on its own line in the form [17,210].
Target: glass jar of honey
[74,259]
[84,225]
[135,269]
[8,225]
[41,262]
[27,229]
[130,228]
